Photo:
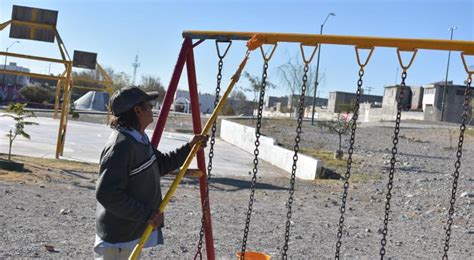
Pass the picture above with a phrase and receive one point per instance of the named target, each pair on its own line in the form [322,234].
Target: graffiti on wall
[10,93]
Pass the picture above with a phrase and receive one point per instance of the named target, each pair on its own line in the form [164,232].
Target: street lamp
[5,63]
[316,83]
[446,79]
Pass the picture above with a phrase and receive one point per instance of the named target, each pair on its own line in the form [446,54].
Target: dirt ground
[53,203]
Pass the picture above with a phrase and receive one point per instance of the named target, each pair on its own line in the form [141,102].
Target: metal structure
[39,24]
[104,84]
[186,57]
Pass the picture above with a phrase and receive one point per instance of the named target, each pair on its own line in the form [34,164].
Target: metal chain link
[255,160]
[392,164]
[295,160]
[349,162]
[211,149]
[457,165]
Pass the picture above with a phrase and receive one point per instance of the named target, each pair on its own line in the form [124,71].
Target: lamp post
[5,63]
[443,98]
[316,83]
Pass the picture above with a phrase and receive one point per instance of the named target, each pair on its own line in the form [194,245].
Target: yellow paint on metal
[361,41]
[34,12]
[5,24]
[56,97]
[31,57]
[406,67]
[466,66]
[362,65]
[29,74]
[64,112]
[32,24]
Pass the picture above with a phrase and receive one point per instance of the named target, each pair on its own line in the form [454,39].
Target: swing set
[256,40]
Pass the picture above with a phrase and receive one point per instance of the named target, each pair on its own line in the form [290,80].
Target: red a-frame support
[186,56]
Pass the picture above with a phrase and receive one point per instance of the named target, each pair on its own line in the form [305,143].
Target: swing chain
[457,165]
[211,149]
[295,160]
[255,160]
[349,161]
[392,163]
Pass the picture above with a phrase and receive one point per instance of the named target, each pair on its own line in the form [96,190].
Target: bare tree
[255,84]
[339,126]
[291,75]
[151,83]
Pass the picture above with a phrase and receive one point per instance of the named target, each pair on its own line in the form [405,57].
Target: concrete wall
[244,138]
[368,114]
[416,98]
[337,100]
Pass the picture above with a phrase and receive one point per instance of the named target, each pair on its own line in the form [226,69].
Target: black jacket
[128,189]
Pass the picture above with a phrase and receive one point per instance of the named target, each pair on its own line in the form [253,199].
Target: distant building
[453,103]
[416,98]
[271,101]
[9,79]
[339,101]
[308,101]
[390,97]
[182,103]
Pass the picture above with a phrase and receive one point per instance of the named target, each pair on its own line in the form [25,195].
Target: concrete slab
[84,142]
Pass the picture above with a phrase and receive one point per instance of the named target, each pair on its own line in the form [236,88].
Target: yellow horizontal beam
[404,44]
[104,89]
[23,56]
[29,74]
[33,24]
[103,82]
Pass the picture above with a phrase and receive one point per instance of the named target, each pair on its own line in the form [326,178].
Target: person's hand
[156,219]
[200,140]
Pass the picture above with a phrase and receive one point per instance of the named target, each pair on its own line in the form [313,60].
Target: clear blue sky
[118,30]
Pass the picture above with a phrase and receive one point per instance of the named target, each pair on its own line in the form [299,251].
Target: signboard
[36,16]
[85,60]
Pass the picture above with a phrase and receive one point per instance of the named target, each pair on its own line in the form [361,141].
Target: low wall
[244,138]
[370,114]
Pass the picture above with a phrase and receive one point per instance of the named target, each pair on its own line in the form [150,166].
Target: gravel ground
[56,207]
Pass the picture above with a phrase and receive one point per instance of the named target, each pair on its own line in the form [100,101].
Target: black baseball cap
[128,97]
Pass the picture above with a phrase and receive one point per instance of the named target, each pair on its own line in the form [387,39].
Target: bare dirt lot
[53,203]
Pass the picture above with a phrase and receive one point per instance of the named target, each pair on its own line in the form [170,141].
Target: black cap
[128,97]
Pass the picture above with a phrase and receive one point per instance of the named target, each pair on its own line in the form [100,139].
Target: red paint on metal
[168,100]
[201,161]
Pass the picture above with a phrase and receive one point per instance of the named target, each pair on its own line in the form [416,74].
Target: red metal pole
[168,100]
[201,161]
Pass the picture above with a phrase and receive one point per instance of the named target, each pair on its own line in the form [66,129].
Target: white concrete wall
[244,138]
[368,114]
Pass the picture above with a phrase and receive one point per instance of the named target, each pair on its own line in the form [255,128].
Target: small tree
[340,126]
[20,115]
[255,85]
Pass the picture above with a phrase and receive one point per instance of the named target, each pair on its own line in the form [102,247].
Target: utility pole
[369,89]
[5,63]
[135,65]
[316,83]
[443,98]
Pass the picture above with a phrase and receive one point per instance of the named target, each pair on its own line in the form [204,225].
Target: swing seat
[254,256]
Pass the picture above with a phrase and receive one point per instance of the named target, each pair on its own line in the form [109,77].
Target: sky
[118,30]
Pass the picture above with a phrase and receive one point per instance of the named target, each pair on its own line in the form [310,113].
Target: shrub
[36,94]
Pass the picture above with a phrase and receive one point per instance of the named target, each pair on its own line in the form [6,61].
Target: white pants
[111,253]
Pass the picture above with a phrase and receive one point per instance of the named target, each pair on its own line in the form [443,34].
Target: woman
[128,190]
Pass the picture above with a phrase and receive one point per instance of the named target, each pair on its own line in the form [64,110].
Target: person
[128,189]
